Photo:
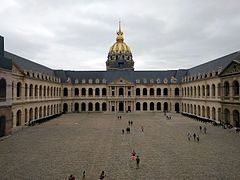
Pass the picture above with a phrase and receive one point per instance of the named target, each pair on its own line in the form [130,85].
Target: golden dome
[119,46]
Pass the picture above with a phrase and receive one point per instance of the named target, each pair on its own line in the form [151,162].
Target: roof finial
[119,25]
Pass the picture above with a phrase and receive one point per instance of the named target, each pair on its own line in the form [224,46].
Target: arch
[48,91]
[219,114]
[176,91]
[138,106]
[83,107]
[208,90]
[31,90]
[48,110]
[121,91]
[76,92]
[213,90]
[76,107]
[226,88]
[26,115]
[199,91]
[44,111]
[40,90]
[65,107]
[30,114]
[165,91]
[203,111]
[219,89]
[199,110]
[97,106]
[165,106]
[144,91]
[235,86]
[3,92]
[144,106]
[158,106]
[44,91]
[138,92]
[97,92]
[51,91]
[191,91]
[26,89]
[191,109]
[208,112]
[151,92]
[158,91]
[226,114]
[104,91]
[213,113]
[90,91]
[121,106]
[40,112]
[2,123]
[18,118]
[195,91]
[104,106]
[36,90]
[83,92]
[19,89]
[203,90]
[177,108]
[151,106]
[65,92]
[90,106]
[36,113]
[195,109]
[236,118]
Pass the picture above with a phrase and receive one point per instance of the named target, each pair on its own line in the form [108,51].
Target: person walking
[102,175]
[129,123]
[84,174]
[205,130]
[189,136]
[194,136]
[200,127]
[138,162]
[71,177]
[142,128]
[122,131]
[198,138]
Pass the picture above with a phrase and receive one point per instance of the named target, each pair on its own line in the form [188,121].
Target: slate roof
[110,76]
[26,64]
[129,75]
[214,65]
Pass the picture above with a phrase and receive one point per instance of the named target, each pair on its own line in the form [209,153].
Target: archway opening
[121,106]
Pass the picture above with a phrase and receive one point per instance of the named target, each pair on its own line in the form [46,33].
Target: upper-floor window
[3,89]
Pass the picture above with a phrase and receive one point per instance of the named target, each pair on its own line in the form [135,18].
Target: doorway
[121,106]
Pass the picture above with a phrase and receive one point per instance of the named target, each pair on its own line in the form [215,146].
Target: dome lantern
[119,55]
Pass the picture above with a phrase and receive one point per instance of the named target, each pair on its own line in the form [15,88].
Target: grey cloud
[161,34]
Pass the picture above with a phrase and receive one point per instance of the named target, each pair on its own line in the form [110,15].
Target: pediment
[17,71]
[120,81]
[232,68]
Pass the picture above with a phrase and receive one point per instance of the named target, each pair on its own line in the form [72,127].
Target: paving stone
[94,142]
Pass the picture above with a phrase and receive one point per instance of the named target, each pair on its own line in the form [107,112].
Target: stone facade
[35,94]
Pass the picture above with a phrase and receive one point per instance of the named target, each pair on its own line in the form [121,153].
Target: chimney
[1,46]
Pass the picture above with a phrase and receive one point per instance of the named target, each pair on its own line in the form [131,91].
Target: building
[209,91]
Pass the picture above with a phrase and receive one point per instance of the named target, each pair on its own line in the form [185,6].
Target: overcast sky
[163,35]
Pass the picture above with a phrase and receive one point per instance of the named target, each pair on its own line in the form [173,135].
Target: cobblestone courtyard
[93,142]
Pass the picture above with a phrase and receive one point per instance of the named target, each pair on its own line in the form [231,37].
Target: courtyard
[94,142]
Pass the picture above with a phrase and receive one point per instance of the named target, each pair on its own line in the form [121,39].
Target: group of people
[102,176]
[136,158]
[196,136]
